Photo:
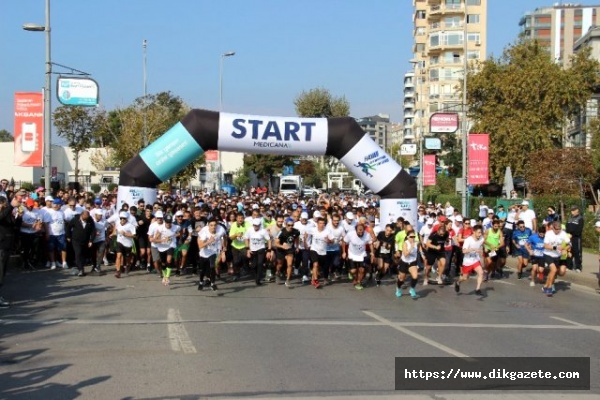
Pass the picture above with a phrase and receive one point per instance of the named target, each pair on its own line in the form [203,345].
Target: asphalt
[132,338]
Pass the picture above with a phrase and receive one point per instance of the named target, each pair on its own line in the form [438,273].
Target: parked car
[311,191]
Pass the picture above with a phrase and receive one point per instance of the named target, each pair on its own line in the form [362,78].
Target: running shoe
[425,282]
[478,292]
[413,293]
[440,281]
[315,283]
[456,286]
[358,286]
[519,275]
[553,289]
[200,285]
[398,292]
[486,276]
[118,274]
[288,284]
[277,280]
[378,282]
[305,280]
[532,283]
[213,287]
[548,291]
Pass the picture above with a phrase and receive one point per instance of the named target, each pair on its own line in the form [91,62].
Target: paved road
[103,338]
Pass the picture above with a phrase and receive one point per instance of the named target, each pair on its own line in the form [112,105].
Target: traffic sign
[408,149]
[433,143]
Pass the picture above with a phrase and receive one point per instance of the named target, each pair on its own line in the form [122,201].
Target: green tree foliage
[6,136]
[77,126]
[266,165]
[523,99]
[319,103]
[123,129]
[241,178]
[403,161]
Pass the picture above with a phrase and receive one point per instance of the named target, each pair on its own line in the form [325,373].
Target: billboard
[478,159]
[77,91]
[211,156]
[443,123]
[29,129]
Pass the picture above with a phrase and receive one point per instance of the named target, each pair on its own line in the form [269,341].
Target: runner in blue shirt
[535,247]
[520,237]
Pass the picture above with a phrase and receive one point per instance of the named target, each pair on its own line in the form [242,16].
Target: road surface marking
[178,336]
[416,335]
[504,282]
[568,321]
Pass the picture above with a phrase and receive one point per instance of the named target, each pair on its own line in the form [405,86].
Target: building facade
[558,27]
[448,36]
[378,127]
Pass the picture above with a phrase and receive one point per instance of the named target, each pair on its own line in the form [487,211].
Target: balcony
[446,9]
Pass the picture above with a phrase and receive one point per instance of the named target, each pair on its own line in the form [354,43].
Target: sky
[359,49]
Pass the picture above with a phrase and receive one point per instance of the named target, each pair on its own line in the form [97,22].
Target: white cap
[255,206]
[458,218]
[304,215]
[49,198]
[158,214]
[179,213]
[349,215]
[525,203]
[597,224]
[317,214]
[267,201]
[95,211]
[430,221]
[123,214]
[256,221]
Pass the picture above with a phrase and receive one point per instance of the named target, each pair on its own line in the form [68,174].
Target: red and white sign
[211,156]
[478,154]
[443,123]
[29,129]
[429,170]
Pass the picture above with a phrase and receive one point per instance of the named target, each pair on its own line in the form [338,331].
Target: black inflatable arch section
[202,130]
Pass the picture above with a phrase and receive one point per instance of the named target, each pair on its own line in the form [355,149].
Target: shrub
[95,188]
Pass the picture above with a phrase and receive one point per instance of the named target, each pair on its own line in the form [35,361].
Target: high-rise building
[377,126]
[448,34]
[558,27]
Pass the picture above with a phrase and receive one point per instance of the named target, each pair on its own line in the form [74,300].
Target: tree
[6,136]
[265,165]
[523,100]
[76,125]
[319,103]
[560,171]
[121,128]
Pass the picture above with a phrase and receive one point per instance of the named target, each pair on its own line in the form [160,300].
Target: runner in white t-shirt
[125,232]
[557,245]
[355,249]
[212,244]
[258,242]
[472,260]
[54,221]
[319,238]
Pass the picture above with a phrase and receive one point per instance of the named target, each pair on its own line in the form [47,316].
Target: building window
[473,37]
[473,19]
[420,47]
[473,2]
[420,31]
[434,40]
[453,22]
[421,14]
[454,38]
[473,54]
[434,74]
[452,3]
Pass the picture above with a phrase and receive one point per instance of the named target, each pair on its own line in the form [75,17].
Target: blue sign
[288,170]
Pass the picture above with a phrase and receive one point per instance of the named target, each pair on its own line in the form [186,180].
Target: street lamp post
[227,54]
[465,134]
[419,78]
[47,96]
[145,133]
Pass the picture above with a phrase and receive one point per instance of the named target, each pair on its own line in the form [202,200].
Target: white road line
[416,335]
[567,321]
[503,282]
[178,336]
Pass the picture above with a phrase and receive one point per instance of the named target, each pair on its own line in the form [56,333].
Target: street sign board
[443,123]
[77,91]
[408,149]
[433,143]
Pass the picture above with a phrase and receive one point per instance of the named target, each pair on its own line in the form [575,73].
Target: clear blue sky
[356,48]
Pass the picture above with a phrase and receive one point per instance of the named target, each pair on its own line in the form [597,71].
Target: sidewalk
[588,277]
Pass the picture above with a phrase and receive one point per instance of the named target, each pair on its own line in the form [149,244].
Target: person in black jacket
[7,235]
[80,233]
[575,229]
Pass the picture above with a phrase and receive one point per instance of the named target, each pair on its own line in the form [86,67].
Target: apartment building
[558,27]
[378,127]
[448,34]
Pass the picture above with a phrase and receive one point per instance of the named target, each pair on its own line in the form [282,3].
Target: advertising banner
[478,159]
[392,209]
[131,195]
[443,123]
[272,135]
[429,170]
[211,155]
[29,129]
[77,91]
[369,163]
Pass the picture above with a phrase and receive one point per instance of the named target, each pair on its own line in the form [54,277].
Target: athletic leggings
[207,267]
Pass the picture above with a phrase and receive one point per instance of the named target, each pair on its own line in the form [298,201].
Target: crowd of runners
[290,241]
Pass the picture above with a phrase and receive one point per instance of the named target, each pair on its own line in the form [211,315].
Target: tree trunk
[76,156]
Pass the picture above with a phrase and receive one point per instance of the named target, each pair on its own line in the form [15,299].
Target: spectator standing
[7,233]
[575,229]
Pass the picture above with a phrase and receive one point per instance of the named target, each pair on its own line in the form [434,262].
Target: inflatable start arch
[202,130]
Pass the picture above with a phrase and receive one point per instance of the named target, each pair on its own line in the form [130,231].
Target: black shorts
[404,266]
[552,260]
[281,254]
[386,257]
[143,241]
[433,256]
[317,258]
[126,251]
[539,261]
